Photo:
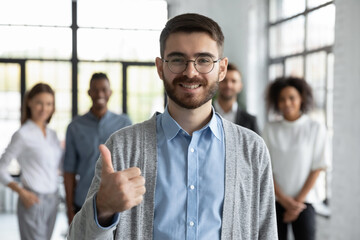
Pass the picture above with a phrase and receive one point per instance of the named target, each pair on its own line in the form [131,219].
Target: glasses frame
[194,62]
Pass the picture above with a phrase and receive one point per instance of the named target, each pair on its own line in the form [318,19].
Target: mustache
[184,79]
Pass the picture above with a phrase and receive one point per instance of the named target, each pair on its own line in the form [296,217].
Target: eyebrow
[180,54]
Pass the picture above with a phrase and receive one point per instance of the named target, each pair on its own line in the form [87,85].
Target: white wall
[244,26]
[345,204]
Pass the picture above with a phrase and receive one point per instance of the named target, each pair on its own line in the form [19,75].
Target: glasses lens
[177,64]
[204,64]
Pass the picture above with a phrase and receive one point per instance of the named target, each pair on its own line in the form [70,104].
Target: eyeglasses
[203,64]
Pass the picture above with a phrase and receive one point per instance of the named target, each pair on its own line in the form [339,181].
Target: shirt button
[192,150]
[191,223]
[192,187]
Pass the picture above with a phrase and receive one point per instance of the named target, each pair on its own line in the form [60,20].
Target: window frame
[74,61]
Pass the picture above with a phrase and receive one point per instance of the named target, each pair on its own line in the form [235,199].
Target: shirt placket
[100,131]
[192,193]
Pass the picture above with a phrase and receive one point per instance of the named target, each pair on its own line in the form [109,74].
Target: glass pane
[291,7]
[320,101]
[329,95]
[35,42]
[273,10]
[36,12]
[114,73]
[10,107]
[275,71]
[287,38]
[145,93]
[58,76]
[316,76]
[330,71]
[99,44]
[122,14]
[315,3]
[280,9]
[316,70]
[294,67]
[321,27]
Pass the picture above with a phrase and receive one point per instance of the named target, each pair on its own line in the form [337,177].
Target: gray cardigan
[249,201]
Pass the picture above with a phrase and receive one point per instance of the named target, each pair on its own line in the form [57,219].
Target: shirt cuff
[114,221]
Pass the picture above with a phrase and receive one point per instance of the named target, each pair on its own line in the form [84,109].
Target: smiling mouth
[190,86]
[100,101]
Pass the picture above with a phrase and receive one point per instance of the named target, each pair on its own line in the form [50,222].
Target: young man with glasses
[186,173]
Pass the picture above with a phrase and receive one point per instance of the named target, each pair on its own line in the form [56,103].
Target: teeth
[191,86]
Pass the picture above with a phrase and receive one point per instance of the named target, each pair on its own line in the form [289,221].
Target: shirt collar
[215,124]
[234,107]
[171,127]
[93,117]
[33,125]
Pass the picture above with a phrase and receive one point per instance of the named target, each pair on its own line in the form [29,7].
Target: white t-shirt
[230,115]
[296,148]
[38,156]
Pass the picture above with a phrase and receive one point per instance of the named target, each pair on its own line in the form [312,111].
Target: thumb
[107,166]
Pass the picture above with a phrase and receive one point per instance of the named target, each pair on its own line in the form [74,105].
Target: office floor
[9,226]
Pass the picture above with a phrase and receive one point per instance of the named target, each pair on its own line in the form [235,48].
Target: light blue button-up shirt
[190,180]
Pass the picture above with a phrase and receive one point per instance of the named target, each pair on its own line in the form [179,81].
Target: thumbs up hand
[119,191]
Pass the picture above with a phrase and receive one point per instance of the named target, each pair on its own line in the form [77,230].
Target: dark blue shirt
[83,137]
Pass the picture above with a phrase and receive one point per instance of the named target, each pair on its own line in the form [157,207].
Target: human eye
[203,60]
[177,60]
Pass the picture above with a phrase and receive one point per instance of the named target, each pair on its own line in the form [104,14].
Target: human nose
[228,84]
[47,106]
[99,93]
[287,102]
[190,70]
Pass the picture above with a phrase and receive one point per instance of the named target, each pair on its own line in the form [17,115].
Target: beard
[190,100]
[226,97]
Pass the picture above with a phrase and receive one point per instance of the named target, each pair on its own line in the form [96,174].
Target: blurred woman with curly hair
[297,146]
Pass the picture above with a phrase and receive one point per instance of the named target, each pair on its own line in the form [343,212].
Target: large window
[63,42]
[301,38]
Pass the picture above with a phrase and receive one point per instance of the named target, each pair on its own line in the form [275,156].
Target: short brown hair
[233,67]
[192,22]
[37,89]
[274,89]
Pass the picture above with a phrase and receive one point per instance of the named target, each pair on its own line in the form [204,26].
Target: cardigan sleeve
[267,216]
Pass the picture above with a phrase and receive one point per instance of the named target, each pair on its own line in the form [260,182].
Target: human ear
[223,68]
[159,67]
